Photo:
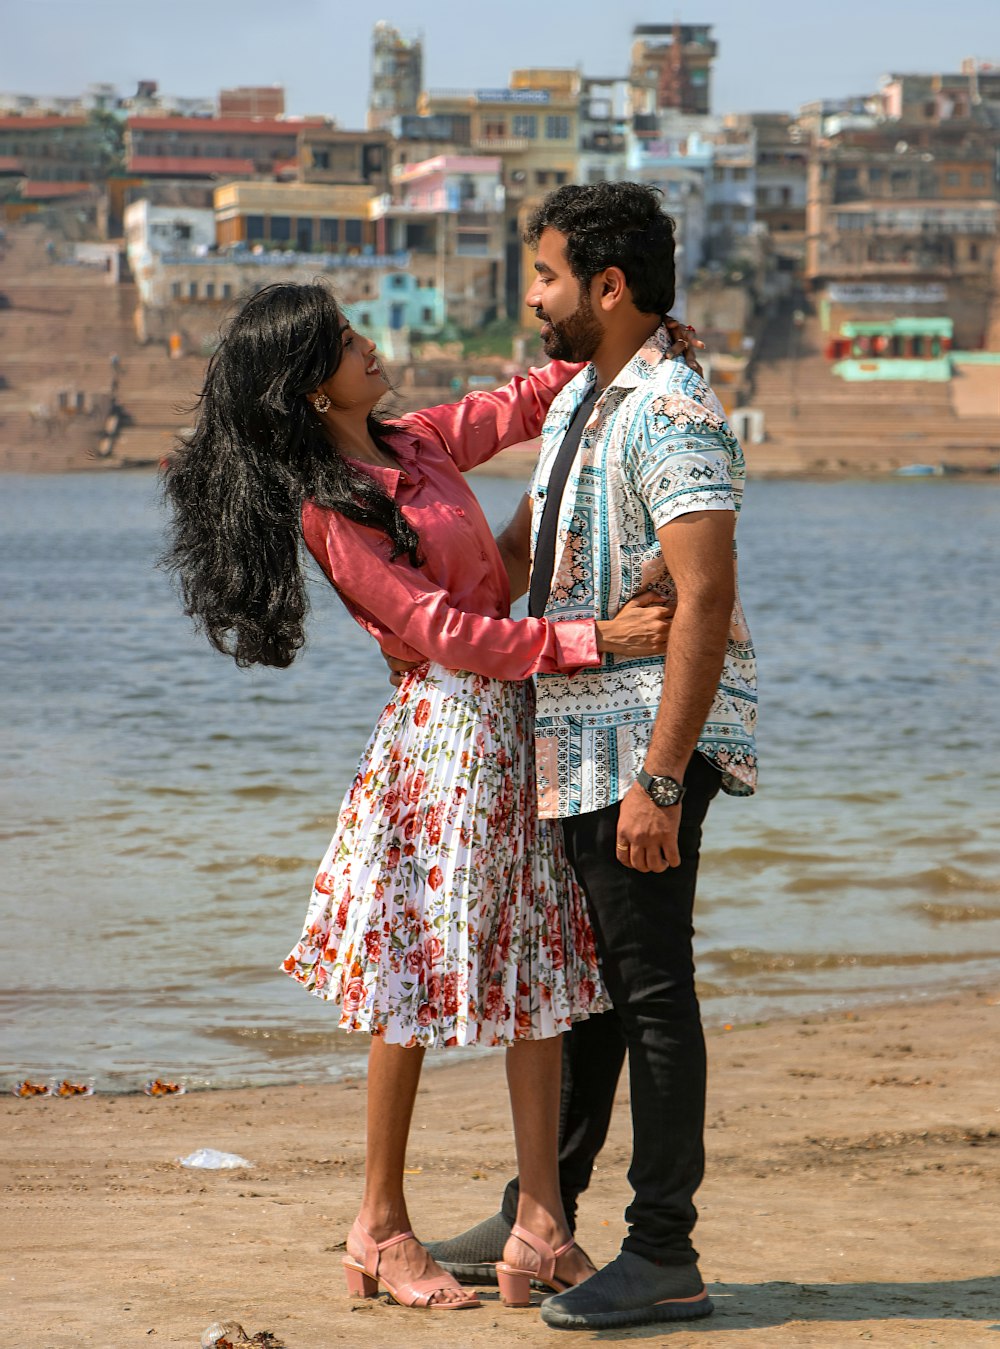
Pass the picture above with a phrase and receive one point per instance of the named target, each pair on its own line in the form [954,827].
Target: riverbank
[854,1163]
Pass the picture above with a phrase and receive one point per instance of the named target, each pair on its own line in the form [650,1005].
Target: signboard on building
[513,96]
[872,293]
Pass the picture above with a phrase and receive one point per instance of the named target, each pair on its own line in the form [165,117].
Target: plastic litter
[210,1159]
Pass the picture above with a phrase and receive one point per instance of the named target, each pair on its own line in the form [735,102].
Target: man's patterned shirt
[656,446]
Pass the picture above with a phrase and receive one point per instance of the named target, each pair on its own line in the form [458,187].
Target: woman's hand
[640,628]
[684,343]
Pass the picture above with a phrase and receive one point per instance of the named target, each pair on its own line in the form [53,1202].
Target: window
[557,128]
[255,227]
[175,290]
[525,125]
[977,179]
[541,177]
[329,231]
[227,291]
[494,128]
[352,232]
[952,178]
[321,159]
[192,290]
[398,282]
[209,290]
[739,174]
[281,228]
[365,318]
[427,315]
[560,177]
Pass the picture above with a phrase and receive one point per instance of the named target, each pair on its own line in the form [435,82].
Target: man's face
[571,331]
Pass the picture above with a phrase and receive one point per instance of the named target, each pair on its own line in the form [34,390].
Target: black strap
[545,545]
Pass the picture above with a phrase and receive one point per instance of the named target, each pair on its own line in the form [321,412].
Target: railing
[281,258]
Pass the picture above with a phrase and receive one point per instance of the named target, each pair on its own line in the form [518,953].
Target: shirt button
[459,511]
[483,556]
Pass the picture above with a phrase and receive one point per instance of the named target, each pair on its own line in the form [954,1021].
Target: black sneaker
[630,1291]
[472,1256]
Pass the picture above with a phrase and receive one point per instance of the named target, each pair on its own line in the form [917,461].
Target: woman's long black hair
[257,452]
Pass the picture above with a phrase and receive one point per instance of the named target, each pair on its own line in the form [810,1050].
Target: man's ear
[610,288]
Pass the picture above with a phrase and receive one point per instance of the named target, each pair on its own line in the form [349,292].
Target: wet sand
[854,1170]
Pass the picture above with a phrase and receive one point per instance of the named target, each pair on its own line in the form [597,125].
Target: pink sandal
[363,1279]
[515,1284]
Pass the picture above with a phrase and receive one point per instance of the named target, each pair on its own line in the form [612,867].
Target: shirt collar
[653,352]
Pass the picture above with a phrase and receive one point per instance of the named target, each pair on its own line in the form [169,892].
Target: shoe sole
[638,1316]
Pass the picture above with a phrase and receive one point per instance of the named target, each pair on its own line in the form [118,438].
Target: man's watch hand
[662,789]
[647,834]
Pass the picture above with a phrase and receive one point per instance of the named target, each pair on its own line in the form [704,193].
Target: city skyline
[55,49]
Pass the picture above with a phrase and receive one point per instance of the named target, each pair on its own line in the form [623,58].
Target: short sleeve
[682,459]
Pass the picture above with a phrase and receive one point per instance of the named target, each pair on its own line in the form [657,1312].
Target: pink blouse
[455,609]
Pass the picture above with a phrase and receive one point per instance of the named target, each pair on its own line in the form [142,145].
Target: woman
[444,912]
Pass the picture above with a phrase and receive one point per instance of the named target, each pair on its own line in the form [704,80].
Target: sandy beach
[854,1169]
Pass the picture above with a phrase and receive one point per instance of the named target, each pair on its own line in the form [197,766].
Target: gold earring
[322,403]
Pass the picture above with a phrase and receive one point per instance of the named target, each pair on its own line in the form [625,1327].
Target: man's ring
[622,847]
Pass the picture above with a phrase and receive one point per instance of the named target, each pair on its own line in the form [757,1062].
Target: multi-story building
[210,146]
[448,214]
[300,217]
[671,67]
[603,154]
[902,222]
[731,194]
[781,167]
[52,149]
[343,158]
[532,126]
[397,75]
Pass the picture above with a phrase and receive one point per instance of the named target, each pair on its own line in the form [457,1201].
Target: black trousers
[643,929]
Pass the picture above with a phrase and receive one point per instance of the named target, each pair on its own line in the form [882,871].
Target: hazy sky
[772,55]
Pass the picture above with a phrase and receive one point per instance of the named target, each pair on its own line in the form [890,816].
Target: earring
[322,403]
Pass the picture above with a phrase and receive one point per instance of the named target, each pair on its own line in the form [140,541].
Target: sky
[773,55]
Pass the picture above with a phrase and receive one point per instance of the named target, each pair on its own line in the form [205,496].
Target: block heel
[359,1283]
[515,1286]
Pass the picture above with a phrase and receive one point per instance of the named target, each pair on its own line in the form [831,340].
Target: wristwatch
[662,791]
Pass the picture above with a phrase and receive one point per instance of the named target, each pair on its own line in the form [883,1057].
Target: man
[638,486]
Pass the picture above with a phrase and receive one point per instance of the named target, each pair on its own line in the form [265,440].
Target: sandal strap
[546,1254]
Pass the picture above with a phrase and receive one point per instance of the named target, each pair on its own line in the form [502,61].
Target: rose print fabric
[444,911]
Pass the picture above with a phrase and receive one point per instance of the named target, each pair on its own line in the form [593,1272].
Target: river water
[162,812]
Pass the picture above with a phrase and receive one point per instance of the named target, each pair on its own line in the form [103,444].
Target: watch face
[663,791]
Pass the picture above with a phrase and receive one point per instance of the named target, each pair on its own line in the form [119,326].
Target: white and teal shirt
[656,446]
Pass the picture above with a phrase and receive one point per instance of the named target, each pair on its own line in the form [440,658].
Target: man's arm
[698,551]
[514,543]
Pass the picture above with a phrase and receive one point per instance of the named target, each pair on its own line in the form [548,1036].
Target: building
[253,100]
[52,148]
[902,223]
[731,195]
[397,75]
[532,126]
[448,214]
[602,141]
[299,217]
[210,147]
[343,158]
[153,232]
[671,68]
[780,171]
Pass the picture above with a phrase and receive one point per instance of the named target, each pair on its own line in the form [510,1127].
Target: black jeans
[643,929]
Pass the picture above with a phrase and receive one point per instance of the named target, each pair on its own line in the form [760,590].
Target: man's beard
[576,338]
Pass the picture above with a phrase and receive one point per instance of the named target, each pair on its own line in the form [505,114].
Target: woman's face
[359,380]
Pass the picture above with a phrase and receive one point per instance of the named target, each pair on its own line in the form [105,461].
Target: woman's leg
[533,1071]
[393,1077]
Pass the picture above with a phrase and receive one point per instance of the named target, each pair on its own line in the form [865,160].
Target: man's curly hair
[613,225]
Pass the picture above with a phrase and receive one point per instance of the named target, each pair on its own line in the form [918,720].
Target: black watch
[662,791]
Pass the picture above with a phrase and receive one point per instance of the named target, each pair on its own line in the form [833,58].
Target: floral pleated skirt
[444,911]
